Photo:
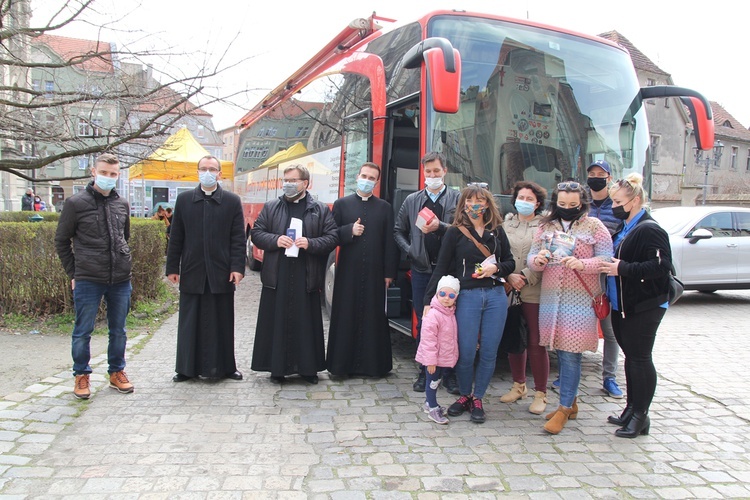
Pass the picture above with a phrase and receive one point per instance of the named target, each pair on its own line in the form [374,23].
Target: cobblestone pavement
[364,438]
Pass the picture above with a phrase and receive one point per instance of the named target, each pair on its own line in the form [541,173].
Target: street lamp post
[707,162]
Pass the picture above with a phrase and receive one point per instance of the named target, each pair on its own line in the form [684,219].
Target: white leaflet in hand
[296,224]
[489,260]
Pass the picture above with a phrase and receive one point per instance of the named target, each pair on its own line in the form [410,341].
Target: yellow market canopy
[296,149]
[176,160]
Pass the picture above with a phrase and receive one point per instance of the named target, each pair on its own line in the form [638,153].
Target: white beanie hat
[449,281]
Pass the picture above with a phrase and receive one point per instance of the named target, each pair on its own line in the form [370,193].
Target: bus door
[401,169]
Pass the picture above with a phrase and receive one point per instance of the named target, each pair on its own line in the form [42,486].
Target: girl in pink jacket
[438,345]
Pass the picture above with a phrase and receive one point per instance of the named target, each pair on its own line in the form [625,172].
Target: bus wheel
[252,262]
[329,279]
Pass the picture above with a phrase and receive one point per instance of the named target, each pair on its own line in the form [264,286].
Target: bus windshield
[536,105]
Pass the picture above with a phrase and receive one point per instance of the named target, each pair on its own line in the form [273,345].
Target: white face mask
[290,189]
[433,182]
[208,179]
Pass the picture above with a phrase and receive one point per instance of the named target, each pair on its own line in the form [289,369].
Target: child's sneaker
[426,407]
[437,416]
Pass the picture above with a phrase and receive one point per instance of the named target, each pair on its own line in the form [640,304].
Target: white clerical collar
[363,197]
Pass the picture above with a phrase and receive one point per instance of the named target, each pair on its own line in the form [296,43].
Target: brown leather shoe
[572,415]
[518,391]
[558,420]
[82,389]
[120,382]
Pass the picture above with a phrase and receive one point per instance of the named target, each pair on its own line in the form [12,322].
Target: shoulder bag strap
[481,247]
[588,290]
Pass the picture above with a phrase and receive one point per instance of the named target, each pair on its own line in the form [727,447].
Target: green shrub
[33,282]
[24,216]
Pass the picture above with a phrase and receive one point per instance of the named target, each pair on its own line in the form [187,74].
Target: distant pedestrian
[92,243]
[39,205]
[359,339]
[206,256]
[438,347]
[27,200]
[297,234]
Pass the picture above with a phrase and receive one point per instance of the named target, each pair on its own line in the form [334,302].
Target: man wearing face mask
[599,179]
[359,341]
[289,333]
[206,256]
[92,243]
[423,245]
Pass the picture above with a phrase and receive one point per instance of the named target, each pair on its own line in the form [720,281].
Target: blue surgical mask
[105,183]
[290,189]
[208,179]
[409,113]
[365,186]
[525,207]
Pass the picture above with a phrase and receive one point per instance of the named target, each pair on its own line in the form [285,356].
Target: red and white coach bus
[502,99]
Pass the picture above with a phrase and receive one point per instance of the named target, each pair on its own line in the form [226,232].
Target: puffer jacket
[318,226]
[438,343]
[92,237]
[408,236]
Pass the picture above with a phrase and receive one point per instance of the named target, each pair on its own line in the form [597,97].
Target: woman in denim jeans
[568,242]
[482,306]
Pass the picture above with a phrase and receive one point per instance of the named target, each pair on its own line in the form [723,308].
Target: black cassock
[289,333]
[207,243]
[359,341]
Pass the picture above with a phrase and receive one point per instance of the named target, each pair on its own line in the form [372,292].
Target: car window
[719,224]
[743,223]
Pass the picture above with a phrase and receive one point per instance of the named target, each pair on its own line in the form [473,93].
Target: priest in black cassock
[289,333]
[359,341]
[206,256]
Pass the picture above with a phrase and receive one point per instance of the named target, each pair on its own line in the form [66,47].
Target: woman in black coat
[638,288]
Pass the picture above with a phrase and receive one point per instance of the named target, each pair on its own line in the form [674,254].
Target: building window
[261,131]
[733,163]
[84,128]
[96,127]
[246,152]
[201,130]
[36,85]
[271,132]
[49,87]
[301,131]
[655,140]
[650,82]
[83,163]
[747,164]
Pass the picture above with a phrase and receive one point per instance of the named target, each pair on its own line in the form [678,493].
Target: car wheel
[329,279]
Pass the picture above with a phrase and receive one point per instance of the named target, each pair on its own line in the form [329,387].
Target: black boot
[419,384]
[450,383]
[623,419]
[639,424]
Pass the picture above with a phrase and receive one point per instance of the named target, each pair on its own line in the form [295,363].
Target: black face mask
[620,212]
[569,214]
[597,183]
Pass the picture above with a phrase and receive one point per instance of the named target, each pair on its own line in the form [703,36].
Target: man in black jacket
[206,256]
[296,234]
[92,243]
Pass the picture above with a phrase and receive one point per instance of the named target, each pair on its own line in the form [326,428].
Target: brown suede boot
[558,421]
[572,415]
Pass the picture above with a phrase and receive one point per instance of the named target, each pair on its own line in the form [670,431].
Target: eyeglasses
[211,169]
[292,180]
[482,185]
[443,294]
[568,186]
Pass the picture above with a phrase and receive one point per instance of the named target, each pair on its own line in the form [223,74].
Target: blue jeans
[570,376]
[87,296]
[419,282]
[480,314]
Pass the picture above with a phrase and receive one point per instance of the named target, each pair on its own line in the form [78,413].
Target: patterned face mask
[476,210]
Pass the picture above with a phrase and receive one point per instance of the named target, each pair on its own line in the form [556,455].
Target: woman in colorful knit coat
[568,241]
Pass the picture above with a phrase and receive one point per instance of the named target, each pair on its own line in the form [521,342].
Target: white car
[710,245]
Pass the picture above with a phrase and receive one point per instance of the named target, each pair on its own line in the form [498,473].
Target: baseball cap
[601,164]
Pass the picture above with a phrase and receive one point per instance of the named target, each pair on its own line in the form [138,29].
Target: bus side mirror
[443,68]
[700,111]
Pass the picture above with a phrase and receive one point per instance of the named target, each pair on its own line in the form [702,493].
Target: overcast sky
[703,49]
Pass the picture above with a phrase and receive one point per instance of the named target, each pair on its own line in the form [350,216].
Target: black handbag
[675,288]
[516,332]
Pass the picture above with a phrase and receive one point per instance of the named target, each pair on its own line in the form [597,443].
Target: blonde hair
[633,186]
